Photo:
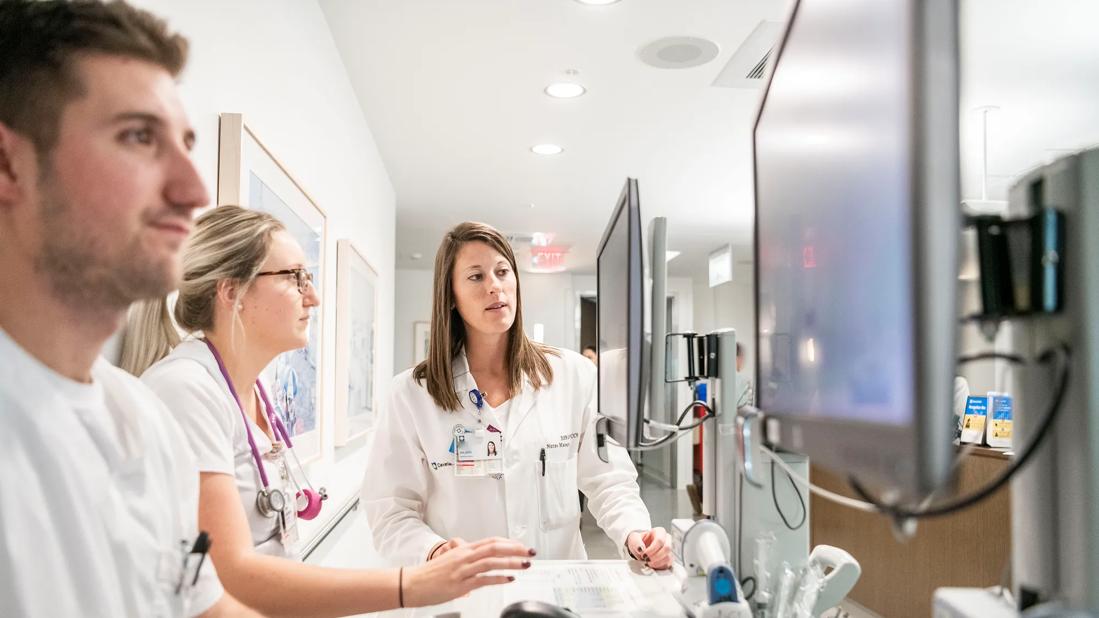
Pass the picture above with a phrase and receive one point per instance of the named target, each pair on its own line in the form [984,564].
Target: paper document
[594,588]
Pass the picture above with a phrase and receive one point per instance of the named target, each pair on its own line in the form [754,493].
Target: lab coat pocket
[560,500]
[171,580]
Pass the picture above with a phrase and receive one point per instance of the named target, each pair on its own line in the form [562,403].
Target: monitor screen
[856,158]
[619,313]
[833,160]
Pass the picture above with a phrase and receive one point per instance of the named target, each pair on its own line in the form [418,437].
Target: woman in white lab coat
[247,292]
[430,480]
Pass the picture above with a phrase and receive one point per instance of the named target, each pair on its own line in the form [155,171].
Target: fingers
[663,564]
[635,544]
[661,558]
[456,542]
[656,533]
[490,540]
[502,548]
[471,569]
[655,544]
[481,581]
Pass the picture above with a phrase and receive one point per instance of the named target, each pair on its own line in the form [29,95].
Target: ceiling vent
[519,238]
[751,63]
[678,52]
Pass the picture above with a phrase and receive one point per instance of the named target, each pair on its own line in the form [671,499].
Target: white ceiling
[1038,61]
[453,93]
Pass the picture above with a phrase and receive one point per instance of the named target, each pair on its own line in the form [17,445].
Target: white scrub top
[413,499]
[100,497]
[191,385]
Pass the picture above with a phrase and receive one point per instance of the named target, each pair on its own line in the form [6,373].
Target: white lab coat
[413,500]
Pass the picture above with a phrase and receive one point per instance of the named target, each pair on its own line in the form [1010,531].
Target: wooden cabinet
[969,548]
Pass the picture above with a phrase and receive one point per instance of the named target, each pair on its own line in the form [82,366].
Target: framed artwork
[249,175]
[421,337]
[356,342]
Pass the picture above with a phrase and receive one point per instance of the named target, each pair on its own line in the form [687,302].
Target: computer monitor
[857,220]
[619,320]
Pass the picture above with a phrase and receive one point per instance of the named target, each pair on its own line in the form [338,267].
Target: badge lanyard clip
[478,399]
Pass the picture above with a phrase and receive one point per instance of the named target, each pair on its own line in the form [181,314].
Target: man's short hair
[40,42]
[739,349]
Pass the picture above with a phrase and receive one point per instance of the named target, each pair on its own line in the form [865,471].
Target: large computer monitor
[857,219]
[620,315]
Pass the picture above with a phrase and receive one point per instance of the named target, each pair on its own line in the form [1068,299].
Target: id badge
[494,450]
[466,444]
[288,525]
[469,443]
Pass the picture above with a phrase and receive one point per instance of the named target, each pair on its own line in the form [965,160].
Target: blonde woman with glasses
[432,480]
[247,297]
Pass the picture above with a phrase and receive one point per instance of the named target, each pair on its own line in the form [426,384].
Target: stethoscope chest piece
[270,502]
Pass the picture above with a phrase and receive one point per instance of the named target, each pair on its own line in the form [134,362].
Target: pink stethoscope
[272,501]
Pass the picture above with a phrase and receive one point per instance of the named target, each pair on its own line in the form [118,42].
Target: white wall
[544,302]
[729,305]
[275,62]
[413,304]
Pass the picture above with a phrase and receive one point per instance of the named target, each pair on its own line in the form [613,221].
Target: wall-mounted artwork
[356,342]
[249,175]
[421,338]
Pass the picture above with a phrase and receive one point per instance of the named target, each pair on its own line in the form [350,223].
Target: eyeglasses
[303,277]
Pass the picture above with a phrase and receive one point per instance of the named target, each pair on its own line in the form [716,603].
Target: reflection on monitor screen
[835,231]
[613,300]
[856,159]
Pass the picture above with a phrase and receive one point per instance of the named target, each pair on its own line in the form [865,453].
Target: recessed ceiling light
[547,149]
[416,256]
[597,2]
[564,90]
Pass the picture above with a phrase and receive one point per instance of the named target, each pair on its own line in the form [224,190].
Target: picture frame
[356,343]
[249,175]
[421,340]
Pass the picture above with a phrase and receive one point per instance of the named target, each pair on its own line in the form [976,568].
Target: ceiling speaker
[678,52]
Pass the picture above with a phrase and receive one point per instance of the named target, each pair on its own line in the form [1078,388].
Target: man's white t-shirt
[99,509]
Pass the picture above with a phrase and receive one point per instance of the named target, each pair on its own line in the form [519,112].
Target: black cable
[748,595]
[672,435]
[801,501]
[1021,458]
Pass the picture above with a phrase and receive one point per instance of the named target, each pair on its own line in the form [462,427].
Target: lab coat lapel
[520,409]
[522,402]
[463,380]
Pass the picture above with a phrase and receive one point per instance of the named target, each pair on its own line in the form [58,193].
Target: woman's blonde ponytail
[150,335]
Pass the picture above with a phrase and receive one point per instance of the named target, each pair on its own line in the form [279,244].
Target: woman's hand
[462,569]
[446,546]
[654,547]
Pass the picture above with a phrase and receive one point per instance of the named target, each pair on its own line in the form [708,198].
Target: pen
[542,458]
[201,547]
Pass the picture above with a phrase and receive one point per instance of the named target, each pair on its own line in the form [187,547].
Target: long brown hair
[525,358]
